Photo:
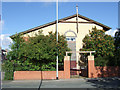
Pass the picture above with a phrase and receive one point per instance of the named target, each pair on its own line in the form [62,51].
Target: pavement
[64,83]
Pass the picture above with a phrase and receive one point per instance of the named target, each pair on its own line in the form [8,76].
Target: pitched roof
[66,18]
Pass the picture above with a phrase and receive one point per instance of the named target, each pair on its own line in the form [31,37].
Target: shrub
[103,44]
[38,53]
[8,68]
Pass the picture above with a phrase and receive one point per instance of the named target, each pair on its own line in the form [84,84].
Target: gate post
[66,67]
[91,67]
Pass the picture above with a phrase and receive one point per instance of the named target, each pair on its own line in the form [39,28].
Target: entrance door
[71,41]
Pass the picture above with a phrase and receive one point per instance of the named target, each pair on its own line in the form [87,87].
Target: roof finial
[77,9]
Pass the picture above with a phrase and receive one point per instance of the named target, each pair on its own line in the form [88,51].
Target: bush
[38,53]
[103,44]
[105,61]
[8,68]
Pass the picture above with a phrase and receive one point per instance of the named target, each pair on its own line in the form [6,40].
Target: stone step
[76,76]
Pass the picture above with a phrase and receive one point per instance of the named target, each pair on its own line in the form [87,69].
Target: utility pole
[57,39]
[77,18]
[119,14]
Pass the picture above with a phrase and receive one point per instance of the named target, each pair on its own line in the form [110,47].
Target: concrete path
[68,83]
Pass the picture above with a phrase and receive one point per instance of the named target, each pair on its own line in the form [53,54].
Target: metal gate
[83,63]
[82,71]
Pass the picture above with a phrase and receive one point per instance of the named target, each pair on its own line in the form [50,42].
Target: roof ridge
[65,18]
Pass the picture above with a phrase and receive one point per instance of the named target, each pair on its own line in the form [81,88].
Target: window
[70,39]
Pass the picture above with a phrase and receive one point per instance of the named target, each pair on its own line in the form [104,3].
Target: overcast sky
[21,16]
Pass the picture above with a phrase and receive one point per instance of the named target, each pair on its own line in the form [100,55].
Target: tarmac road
[67,83]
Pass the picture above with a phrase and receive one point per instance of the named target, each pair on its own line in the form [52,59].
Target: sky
[21,16]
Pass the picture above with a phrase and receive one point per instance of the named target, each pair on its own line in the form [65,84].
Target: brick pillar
[66,67]
[91,67]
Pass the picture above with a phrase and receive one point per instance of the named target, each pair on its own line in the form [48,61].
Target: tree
[117,47]
[103,44]
[15,47]
[42,50]
[13,57]
[37,53]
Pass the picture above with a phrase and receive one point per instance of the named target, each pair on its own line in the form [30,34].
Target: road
[67,83]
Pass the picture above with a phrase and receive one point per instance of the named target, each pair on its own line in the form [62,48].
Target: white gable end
[79,19]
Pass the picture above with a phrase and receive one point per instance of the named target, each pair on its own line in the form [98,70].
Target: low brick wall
[109,71]
[98,71]
[32,75]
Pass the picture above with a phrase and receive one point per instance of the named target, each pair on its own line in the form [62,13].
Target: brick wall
[32,75]
[93,72]
[109,71]
[98,71]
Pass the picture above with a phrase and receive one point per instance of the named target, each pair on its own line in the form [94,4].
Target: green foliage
[42,50]
[38,53]
[103,44]
[117,47]
[18,43]
[8,68]
[101,61]
[105,61]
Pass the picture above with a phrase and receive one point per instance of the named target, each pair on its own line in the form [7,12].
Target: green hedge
[105,61]
[8,68]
